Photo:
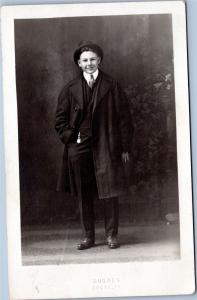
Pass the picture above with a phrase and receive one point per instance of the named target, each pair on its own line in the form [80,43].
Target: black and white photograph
[119,139]
[97,147]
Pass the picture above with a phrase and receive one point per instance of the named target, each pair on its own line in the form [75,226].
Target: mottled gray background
[138,51]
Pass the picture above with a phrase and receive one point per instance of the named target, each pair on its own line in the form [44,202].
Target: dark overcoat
[111,129]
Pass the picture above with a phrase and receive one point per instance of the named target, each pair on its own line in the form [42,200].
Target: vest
[85,139]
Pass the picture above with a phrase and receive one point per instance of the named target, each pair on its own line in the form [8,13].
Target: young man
[93,121]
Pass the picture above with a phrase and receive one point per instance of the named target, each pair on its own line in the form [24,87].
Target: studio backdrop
[138,52]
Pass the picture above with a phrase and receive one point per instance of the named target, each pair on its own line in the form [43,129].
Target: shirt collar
[87,76]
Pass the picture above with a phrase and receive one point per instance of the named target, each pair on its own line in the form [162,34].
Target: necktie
[91,81]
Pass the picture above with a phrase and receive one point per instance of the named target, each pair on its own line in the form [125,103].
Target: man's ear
[99,60]
[79,63]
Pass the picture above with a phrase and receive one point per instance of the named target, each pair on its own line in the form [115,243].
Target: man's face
[89,62]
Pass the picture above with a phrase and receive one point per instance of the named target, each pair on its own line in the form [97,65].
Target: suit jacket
[111,125]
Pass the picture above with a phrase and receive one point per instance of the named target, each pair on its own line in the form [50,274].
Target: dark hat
[83,44]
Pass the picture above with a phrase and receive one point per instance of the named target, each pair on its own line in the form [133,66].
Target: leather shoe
[85,244]
[112,242]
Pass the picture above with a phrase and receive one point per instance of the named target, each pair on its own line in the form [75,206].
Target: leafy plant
[154,143]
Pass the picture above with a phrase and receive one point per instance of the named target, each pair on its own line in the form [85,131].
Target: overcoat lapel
[103,87]
[77,90]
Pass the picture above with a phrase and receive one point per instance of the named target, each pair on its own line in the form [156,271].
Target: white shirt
[88,76]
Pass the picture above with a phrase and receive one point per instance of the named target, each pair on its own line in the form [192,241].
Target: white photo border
[132,279]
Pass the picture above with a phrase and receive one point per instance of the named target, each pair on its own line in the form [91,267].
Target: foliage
[154,142]
[151,106]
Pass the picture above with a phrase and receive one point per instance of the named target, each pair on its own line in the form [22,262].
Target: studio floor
[51,245]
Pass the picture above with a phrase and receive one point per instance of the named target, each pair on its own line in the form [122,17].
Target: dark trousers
[84,173]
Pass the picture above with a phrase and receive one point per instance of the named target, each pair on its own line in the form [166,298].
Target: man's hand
[125,157]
